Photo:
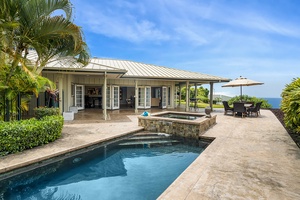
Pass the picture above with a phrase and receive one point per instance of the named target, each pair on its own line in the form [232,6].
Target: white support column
[187,97]
[136,103]
[172,95]
[61,98]
[211,95]
[104,97]
[196,93]
[69,92]
[179,104]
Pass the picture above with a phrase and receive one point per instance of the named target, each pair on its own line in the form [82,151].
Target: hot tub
[186,124]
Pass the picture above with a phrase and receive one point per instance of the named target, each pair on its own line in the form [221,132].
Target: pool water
[140,167]
[180,116]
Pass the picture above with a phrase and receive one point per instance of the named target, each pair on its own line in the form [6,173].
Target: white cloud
[254,19]
[227,39]
[121,25]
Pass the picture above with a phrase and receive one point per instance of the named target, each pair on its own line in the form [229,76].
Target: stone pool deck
[250,158]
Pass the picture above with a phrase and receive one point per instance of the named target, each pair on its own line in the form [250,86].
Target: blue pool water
[181,116]
[138,168]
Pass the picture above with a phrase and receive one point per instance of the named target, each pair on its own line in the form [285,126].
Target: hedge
[17,136]
[41,112]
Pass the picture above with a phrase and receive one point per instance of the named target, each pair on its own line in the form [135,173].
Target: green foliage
[202,93]
[17,136]
[203,99]
[44,111]
[246,98]
[33,24]
[290,105]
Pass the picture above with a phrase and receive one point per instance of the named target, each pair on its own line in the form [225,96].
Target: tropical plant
[202,93]
[246,98]
[33,24]
[290,105]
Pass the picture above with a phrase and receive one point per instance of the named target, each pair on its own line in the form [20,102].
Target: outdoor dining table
[241,111]
[247,105]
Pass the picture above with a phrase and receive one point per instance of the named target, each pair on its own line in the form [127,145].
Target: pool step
[149,139]
[148,142]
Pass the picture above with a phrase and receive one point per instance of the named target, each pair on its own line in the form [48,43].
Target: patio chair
[255,109]
[239,109]
[129,102]
[227,108]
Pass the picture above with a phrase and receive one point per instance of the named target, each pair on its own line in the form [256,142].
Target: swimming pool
[140,167]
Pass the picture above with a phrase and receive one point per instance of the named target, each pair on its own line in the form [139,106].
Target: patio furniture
[255,109]
[248,105]
[239,109]
[241,81]
[193,103]
[250,102]
[129,102]
[227,108]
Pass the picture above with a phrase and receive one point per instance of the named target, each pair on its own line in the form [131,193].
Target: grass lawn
[203,105]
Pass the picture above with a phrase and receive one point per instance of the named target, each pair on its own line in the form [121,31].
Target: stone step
[147,142]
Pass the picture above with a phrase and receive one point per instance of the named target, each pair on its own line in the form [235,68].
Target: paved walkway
[251,158]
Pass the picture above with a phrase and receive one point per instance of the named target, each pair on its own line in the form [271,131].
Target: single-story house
[110,83]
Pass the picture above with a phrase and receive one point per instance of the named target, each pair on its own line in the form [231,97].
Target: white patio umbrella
[240,82]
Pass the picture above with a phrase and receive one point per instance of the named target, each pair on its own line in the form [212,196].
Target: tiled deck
[251,158]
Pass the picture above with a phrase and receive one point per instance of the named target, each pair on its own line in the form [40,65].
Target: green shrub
[44,111]
[203,99]
[17,136]
[265,103]
[290,105]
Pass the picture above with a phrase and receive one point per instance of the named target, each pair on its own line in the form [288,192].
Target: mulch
[295,136]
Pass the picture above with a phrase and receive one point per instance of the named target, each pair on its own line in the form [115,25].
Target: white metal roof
[126,69]
[148,71]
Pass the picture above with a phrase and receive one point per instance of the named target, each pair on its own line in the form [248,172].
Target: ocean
[275,102]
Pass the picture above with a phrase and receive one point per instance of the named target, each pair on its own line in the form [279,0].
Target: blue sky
[257,39]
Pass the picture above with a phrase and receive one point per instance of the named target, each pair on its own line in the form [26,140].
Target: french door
[79,96]
[164,97]
[144,97]
[113,97]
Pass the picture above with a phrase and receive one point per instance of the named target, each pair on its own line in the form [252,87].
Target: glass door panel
[141,97]
[79,96]
[116,97]
[148,97]
[108,98]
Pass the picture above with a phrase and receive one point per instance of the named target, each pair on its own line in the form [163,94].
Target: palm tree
[32,24]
